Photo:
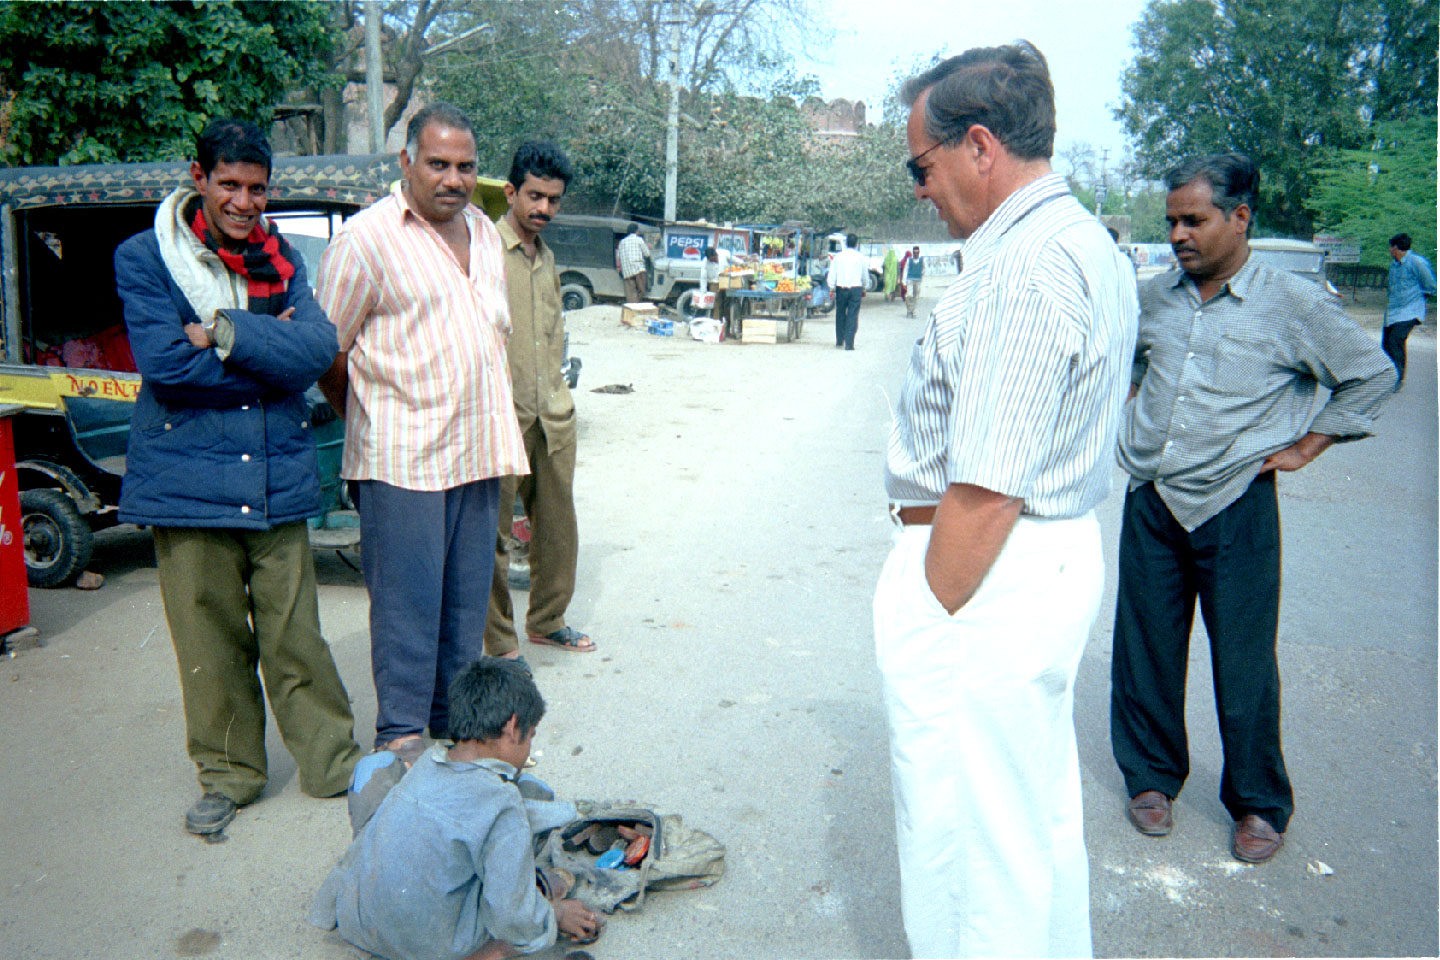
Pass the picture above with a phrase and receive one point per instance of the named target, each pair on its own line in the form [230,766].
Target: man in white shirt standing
[847,279]
[1000,451]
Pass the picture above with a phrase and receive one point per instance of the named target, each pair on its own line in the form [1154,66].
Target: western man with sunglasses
[999,453]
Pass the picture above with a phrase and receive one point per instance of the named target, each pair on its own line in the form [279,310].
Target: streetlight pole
[672,121]
[373,77]
[1102,189]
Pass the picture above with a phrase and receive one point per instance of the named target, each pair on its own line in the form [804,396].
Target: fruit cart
[767,305]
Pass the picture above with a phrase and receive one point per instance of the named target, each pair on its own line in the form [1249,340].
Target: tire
[873,282]
[574,297]
[682,304]
[57,539]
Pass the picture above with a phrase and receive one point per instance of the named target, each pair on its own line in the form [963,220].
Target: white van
[1300,257]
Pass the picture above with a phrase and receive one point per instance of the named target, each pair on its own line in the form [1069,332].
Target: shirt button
[245,509]
[304,424]
[167,426]
[1190,356]
[245,407]
[244,458]
[1199,314]
[1180,400]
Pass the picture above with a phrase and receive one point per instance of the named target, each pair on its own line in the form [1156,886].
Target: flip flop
[566,638]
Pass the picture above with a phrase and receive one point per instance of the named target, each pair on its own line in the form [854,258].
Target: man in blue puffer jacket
[227,337]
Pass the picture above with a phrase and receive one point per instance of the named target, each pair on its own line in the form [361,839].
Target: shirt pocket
[1241,366]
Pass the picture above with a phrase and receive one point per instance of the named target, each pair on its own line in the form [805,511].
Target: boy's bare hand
[577,921]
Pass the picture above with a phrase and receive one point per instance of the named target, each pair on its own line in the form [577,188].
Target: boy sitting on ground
[445,869]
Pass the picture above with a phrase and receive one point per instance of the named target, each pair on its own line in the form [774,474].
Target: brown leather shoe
[1149,811]
[1255,840]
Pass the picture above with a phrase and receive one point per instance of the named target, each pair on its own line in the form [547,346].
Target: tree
[593,76]
[1080,163]
[1369,195]
[415,34]
[89,82]
[1281,80]
[740,45]
[1146,207]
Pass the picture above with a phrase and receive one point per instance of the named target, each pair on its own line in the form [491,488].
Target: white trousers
[982,740]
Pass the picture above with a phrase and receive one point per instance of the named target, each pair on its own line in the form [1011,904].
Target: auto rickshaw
[65,356]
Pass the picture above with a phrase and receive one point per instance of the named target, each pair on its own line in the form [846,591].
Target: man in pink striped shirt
[416,287]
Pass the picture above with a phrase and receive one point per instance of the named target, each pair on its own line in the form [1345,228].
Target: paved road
[733,526]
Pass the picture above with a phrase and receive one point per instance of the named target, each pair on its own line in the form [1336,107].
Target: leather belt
[912,516]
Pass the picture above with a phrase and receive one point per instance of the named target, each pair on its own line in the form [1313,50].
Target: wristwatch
[209,327]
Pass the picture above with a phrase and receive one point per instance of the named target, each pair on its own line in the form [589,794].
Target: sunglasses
[913,165]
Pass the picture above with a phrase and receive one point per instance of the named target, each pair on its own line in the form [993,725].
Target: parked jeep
[584,248]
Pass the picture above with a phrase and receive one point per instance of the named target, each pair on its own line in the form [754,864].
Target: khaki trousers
[235,599]
[636,286]
[547,495]
[912,295]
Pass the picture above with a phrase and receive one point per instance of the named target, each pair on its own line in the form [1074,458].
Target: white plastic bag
[705,330]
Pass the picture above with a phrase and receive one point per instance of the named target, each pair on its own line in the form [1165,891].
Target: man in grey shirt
[1227,362]
[999,453]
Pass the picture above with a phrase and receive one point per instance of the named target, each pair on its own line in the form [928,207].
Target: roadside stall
[768,293]
[679,266]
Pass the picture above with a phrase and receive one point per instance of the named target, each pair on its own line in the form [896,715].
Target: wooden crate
[761,330]
[638,314]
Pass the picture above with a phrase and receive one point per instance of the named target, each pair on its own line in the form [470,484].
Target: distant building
[1120,222]
[836,119]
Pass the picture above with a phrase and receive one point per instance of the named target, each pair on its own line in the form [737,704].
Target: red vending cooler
[14,598]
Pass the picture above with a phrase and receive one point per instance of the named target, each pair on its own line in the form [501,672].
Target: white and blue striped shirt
[1018,381]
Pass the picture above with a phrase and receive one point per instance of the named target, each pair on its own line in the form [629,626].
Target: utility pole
[1102,189]
[672,122]
[374,89]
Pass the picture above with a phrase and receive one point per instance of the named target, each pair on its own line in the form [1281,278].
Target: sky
[1087,43]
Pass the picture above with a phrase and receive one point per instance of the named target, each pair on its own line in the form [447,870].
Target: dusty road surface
[733,524]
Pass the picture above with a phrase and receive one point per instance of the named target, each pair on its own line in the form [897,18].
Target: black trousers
[1392,341]
[847,315]
[1232,564]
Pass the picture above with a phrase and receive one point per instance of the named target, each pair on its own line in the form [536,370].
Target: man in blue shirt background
[1411,281]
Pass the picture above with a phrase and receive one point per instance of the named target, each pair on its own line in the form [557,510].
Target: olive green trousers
[235,599]
[547,495]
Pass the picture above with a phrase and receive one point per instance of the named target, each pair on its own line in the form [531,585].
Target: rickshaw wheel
[58,541]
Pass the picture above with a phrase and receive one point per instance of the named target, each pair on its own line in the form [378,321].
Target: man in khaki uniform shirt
[539,175]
